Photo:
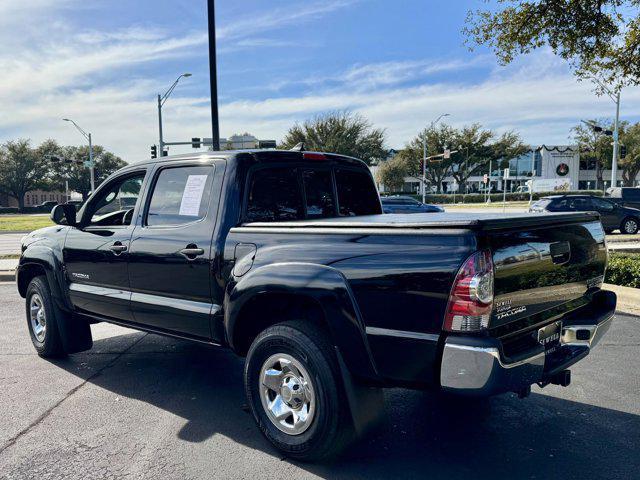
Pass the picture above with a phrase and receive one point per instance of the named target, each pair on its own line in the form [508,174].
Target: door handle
[117,248]
[192,251]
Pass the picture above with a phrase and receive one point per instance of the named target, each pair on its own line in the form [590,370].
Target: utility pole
[213,76]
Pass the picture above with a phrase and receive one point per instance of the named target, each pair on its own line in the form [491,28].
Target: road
[143,406]
[10,243]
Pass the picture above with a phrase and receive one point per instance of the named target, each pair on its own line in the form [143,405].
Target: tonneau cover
[479,221]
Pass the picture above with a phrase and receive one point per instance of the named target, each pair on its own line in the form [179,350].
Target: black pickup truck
[286,258]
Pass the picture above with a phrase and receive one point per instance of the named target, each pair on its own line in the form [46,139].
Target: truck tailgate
[544,271]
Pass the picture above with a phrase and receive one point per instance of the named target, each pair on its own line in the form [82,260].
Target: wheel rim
[287,394]
[38,317]
[630,226]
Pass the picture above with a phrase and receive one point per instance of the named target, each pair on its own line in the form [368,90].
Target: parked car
[612,215]
[625,196]
[46,206]
[402,204]
[286,259]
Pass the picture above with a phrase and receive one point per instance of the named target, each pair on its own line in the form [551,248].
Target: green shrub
[624,270]
[9,210]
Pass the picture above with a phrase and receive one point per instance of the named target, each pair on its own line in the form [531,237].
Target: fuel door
[243,257]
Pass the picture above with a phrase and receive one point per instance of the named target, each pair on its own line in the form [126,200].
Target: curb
[628,298]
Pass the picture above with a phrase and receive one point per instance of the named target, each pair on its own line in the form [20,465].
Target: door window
[602,205]
[180,196]
[274,195]
[114,206]
[318,190]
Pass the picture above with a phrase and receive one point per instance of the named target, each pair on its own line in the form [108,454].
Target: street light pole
[616,144]
[424,156]
[162,99]
[91,166]
[615,98]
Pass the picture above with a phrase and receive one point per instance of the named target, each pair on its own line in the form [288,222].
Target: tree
[339,132]
[595,148]
[472,143]
[22,169]
[630,165]
[391,173]
[598,38]
[78,176]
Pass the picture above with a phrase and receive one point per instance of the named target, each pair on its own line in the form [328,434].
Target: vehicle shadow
[421,435]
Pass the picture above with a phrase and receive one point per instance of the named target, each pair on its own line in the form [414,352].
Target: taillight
[471,298]
[313,156]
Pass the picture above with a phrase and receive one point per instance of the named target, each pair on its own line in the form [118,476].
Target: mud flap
[75,333]
[366,404]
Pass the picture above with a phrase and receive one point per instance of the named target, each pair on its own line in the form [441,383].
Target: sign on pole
[506,174]
[485,178]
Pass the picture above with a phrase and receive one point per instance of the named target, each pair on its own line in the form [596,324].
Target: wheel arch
[316,293]
[41,260]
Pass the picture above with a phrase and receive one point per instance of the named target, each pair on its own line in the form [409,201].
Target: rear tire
[630,226]
[42,321]
[295,391]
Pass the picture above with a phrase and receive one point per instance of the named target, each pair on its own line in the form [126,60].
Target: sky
[398,63]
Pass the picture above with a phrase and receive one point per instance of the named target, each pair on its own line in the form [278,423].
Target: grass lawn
[23,223]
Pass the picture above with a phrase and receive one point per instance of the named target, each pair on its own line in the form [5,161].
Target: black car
[286,259]
[612,215]
[402,204]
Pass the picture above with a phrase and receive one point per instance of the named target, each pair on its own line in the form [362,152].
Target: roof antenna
[298,148]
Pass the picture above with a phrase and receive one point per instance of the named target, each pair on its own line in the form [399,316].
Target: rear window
[356,194]
[318,189]
[274,195]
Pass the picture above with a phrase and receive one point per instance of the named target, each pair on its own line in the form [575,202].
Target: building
[553,164]
[245,141]
[33,198]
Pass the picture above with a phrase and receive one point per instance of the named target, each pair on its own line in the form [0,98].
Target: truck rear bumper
[476,366]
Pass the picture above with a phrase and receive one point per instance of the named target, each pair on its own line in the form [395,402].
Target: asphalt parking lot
[143,406]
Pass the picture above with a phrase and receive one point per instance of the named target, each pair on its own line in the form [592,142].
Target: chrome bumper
[471,368]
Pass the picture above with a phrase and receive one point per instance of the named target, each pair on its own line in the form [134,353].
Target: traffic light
[195,142]
[154,151]
[623,151]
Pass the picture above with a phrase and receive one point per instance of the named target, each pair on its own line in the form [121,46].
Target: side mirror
[64,215]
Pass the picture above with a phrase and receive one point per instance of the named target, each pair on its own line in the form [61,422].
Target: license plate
[549,336]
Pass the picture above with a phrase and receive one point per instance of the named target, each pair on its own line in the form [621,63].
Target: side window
[274,195]
[357,194]
[602,205]
[114,206]
[580,204]
[181,195]
[631,194]
[318,189]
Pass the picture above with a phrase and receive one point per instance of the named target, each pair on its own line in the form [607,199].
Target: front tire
[294,388]
[42,320]
[630,226]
